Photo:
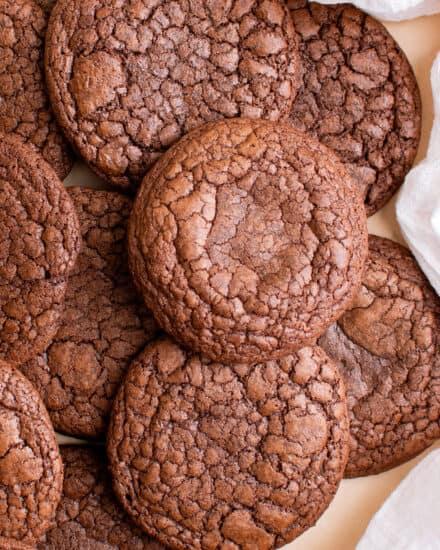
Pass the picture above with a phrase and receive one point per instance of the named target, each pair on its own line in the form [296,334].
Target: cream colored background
[357,500]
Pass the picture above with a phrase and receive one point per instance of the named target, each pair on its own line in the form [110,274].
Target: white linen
[410,517]
[395,10]
[418,203]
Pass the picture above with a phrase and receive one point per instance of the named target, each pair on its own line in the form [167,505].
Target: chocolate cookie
[387,348]
[11,544]
[103,326]
[39,244]
[247,239]
[128,79]
[359,96]
[24,105]
[89,516]
[31,471]
[205,455]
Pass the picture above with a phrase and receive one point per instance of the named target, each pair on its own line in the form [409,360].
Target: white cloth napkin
[395,10]
[410,517]
[418,204]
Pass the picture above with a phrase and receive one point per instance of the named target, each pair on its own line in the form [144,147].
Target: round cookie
[31,471]
[11,544]
[206,455]
[89,516]
[386,346]
[359,96]
[126,80]
[247,239]
[103,326]
[39,245]
[24,104]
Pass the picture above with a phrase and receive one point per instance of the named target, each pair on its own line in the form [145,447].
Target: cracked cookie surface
[205,455]
[89,517]
[127,79]
[31,471]
[359,96]
[247,239]
[104,323]
[11,544]
[387,348]
[24,104]
[39,244]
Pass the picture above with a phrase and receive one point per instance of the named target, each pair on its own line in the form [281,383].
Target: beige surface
[357,500]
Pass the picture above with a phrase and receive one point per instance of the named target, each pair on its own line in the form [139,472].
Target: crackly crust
[88,516]
[359,96]
[31,470]
[11,544]
[103,326]
[247,240]
[207,455]
[128,81]
[39,246]
[387,348]
[24,104]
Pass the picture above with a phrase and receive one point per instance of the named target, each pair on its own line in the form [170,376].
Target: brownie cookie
[247,239]
[127,79]
[103,326]
[89,516]
[205,455]
[386,346]
[24,105]
[39,244]
[31,471]
[11,544]
[359,96]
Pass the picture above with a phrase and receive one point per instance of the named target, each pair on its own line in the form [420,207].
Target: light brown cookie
[387,347]
[89,516]
[359,96]
[128,79]
[24,104]
[247,240]
[206,455]
[31,471]
[103,326]
[39,244]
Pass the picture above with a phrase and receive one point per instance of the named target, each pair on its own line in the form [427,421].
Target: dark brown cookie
[359,96]
[11,544]
[247,239]
[386,346]
[47,5]
[39,244]
[205,455]
[103,326]
[24,105]
[89,516]
[128,79]
[31,471]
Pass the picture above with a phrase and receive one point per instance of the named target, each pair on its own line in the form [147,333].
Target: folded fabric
[418,204]
[395,10]
[409,519]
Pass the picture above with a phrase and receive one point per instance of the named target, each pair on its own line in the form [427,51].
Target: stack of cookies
[218,314]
